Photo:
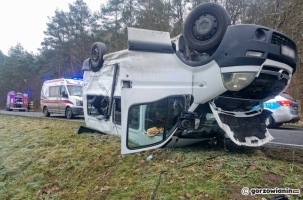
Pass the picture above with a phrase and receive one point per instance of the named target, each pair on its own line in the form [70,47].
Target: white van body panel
[145,77]
[151,82]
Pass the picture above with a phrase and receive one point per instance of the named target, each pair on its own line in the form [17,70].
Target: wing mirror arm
[63,94]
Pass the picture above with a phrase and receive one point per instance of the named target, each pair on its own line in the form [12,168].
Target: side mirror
[63,94]
[189,122]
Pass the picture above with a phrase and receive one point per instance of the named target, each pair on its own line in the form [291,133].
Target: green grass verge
[47,159]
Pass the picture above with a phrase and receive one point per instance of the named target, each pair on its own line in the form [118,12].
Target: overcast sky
[24,21]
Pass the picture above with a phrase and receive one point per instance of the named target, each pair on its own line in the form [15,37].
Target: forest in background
[69,36]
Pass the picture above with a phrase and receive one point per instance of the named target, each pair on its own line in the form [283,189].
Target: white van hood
[77,97]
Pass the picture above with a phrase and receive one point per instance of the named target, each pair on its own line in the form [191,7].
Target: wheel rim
[205,27]
[95,55]
[68,113]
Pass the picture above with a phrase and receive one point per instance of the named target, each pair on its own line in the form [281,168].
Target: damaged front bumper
[243,128]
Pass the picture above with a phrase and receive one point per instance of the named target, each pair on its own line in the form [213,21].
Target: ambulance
[201,85]
[62,96]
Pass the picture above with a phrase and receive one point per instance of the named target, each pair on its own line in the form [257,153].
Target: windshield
[18,99]
[74,90]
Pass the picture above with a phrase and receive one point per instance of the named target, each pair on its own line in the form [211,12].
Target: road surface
[287,137]
[40,115]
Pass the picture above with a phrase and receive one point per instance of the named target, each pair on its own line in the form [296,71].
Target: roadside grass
[298,124]
[47,159]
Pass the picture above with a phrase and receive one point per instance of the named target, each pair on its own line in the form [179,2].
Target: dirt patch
[235,194]
[283,154]
[272,179]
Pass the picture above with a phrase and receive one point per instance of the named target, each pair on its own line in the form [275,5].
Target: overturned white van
[206,83]
[62,96]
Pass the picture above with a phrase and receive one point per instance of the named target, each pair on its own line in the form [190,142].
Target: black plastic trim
[240,125]
[134,45]
[238,39]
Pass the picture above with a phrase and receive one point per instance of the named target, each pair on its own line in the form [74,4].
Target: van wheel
[97,52]
[45,112]
[69,113]
[205,27]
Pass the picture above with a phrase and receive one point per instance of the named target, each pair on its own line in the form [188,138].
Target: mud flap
[242,128]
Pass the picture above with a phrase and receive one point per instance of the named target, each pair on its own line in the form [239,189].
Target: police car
[283,109]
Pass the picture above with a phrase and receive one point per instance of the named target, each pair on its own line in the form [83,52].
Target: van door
[54,98]
[149,116]
[63,99]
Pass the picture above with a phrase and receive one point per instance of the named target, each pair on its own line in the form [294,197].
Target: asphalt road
[40,114]
[284,136]
[288,137]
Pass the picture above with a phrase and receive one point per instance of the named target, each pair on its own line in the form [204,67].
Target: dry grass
[46,159]
[297,124]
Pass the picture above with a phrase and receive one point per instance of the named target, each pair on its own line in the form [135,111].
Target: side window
[152,123]
[164,113]
[117,111]
[134,117]
[155,117]
[54,91]
[176,108]
[44,92]
[63,92]
[97,105]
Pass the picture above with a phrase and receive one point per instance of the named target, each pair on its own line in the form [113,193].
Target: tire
[270,122]
[97,52]
[69,113]
[278,125]
[205,27]
[8,108]
[45,112]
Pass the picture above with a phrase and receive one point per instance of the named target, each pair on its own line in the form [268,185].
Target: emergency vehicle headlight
[78,102]
[237,81]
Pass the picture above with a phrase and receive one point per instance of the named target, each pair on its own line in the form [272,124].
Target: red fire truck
[17,101]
